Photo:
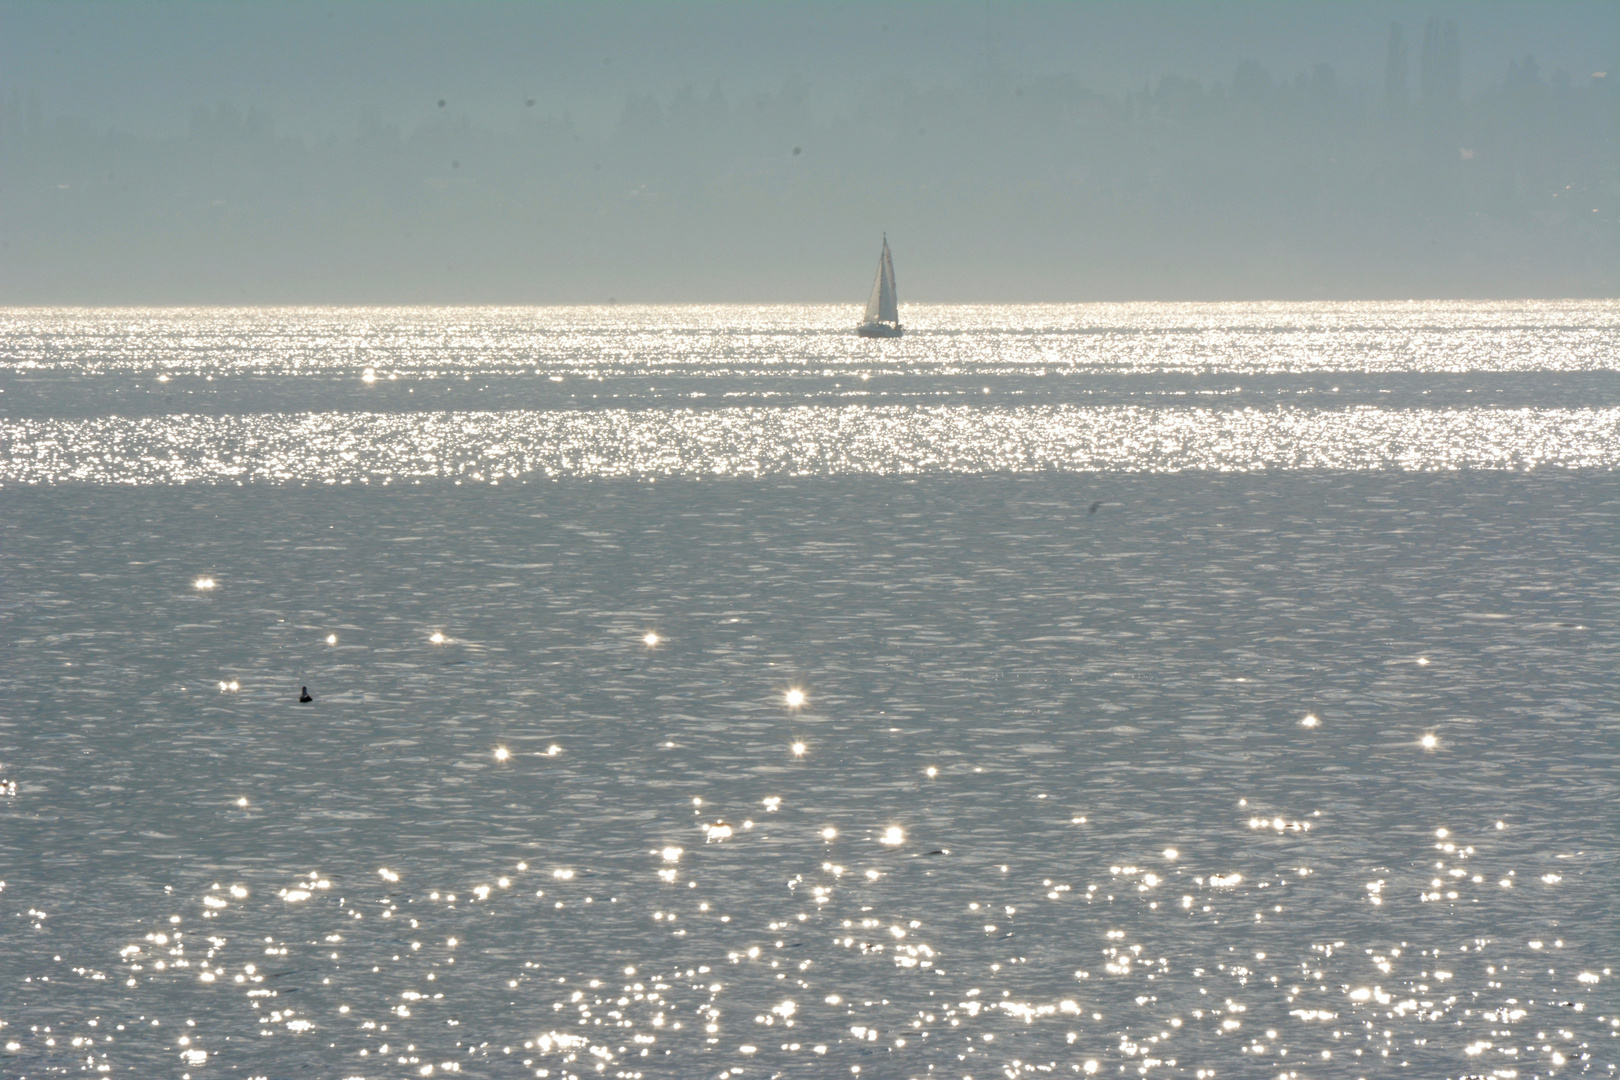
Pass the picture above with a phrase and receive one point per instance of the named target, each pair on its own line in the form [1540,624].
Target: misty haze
[557,154]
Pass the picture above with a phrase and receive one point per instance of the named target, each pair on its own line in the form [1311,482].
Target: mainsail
[883,305]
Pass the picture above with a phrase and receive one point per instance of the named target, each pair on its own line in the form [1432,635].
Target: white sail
[883,305]
[888,300]
[874,303]
[882,317]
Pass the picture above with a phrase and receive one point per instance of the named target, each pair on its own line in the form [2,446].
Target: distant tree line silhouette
[999,187]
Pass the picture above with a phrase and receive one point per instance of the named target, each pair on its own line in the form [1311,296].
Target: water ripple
[786,339]
[338,448]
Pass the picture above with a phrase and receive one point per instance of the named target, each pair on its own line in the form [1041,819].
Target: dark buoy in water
[1093,509]
[303,696]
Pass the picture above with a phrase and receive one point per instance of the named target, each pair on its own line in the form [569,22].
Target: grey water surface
[1149,690]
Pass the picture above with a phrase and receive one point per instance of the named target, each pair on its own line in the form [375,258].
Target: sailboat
[882,307]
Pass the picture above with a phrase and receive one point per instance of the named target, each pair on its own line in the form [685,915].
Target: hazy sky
[216,152]
[313,66]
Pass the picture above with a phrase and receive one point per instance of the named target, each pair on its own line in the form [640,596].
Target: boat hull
[880,330]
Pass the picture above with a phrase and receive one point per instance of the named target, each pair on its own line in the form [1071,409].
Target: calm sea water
[1147,690]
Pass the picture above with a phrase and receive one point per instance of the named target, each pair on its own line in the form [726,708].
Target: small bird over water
[303,696]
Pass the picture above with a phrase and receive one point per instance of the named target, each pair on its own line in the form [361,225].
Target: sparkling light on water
[1173,736]
[857,440]
[590,343]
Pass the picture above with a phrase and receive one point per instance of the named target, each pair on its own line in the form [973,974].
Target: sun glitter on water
[794,698]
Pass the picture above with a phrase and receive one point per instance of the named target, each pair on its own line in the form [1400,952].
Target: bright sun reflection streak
[501,753]
[1309,721]
[794,698]
[650,638]
[798,749]
[1312,337]
[1429,741]
[893,835]
[437,638]
[809,440]
[331,639]
[204,583]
